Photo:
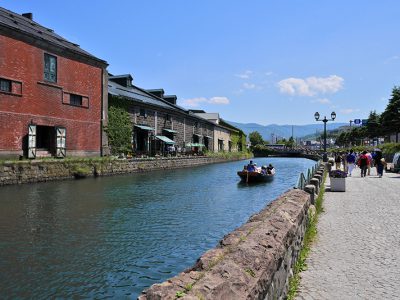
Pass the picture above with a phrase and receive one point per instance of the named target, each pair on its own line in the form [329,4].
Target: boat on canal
[256,176]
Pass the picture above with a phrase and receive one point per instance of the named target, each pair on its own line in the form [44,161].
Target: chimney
[124,80]
[170,98]
[157,92]
[28,16]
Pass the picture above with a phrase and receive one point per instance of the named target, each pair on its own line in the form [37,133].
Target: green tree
[119,130]
[373,127]
[390,118]
[290,143]
[255,138]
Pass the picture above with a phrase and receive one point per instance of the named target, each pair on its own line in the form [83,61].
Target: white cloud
[245,74]
[311,86]
[249,86]
[269,73]
[390,59]
[322,101]
[195,102]
[347,111]
[219,100]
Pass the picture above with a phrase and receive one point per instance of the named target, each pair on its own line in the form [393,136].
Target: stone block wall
[253,262]
[40,171]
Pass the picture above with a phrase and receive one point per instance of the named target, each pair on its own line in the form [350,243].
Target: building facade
[160,125]
[226,136]
[53,94]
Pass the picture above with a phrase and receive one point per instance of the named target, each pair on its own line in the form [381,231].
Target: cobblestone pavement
[357,251]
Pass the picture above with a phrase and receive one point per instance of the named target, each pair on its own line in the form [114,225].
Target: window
[143,113]
[50,68]
[75,100]
[5,85]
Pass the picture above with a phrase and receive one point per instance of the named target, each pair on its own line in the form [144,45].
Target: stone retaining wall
[40,171]
[253,262]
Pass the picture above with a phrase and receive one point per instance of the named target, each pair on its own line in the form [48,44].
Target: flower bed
[337,174]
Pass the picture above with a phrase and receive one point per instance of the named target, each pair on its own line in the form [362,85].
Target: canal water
[112,237]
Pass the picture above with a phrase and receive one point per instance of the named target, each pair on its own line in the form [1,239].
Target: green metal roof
[170,130]
[144,127]
[165,139]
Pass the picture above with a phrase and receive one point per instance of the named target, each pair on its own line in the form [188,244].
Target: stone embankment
[40,171]
[253,262]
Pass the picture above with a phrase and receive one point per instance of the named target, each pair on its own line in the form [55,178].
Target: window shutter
[61,134]
[31,141]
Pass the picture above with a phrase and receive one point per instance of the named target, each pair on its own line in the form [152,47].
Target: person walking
[344,155]
[369,163]
[338,161]
[378,162]
[363,163]
[351,159]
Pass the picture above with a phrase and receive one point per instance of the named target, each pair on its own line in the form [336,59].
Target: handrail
[303,180]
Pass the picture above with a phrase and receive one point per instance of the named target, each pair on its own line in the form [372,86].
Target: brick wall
[44,103]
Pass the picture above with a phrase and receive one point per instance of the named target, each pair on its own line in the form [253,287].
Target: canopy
[194,145]
[170,130]
[165,139]
[144,127]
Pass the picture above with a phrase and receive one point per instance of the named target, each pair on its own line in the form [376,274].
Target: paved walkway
[357,251]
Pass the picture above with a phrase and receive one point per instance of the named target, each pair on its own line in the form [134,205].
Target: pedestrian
[338,161]
[363,163]
[344,155]
[351,159]
[378,162]
[369,163]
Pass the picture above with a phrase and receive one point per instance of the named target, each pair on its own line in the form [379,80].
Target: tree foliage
[255,138]
[390,118]
[373,125]
[119,129]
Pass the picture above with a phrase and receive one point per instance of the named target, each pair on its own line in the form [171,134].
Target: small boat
[255,176]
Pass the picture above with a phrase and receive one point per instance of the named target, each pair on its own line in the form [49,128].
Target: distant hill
[285,131]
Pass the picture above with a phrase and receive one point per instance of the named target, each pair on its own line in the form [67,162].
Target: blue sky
[252,61]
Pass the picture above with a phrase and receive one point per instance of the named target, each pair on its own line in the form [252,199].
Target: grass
[309,237]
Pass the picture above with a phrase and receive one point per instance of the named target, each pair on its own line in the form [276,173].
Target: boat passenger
[270,168]
[264,170]
[251,167]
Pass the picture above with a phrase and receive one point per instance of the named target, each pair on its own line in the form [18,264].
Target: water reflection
[114,236]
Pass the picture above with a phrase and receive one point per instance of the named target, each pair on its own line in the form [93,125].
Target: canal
[112,237]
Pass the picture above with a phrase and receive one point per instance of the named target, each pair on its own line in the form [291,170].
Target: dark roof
[135,93]
[20,24]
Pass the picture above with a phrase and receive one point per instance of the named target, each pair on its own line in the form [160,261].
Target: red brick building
[53,94]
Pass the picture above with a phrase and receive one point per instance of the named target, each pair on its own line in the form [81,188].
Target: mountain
[285,131]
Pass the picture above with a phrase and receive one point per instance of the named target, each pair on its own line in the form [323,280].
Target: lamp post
[325,120]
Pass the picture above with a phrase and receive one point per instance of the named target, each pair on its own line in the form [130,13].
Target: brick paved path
[357,252]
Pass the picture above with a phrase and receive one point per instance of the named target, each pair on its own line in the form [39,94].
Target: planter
[338,184]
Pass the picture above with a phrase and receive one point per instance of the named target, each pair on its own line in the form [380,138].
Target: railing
[303,179]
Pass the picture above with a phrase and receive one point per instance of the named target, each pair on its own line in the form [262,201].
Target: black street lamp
[325,120]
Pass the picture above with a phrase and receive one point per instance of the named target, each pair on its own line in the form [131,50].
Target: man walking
[351,159]
[363,163]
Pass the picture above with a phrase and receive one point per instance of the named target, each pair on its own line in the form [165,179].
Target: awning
[144,127]
[199,135]
[209,137]
[170,130]
[194,145]
[165,139]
